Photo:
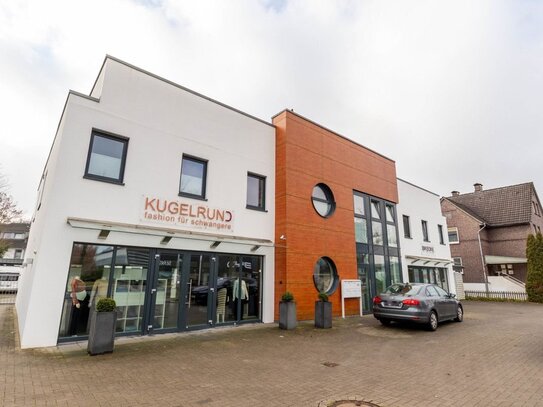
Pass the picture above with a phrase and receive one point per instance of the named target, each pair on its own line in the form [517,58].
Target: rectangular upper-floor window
[453,235]
[425,230]
[256,191]
[406,226]
[193,177]
[440,233]
[106,158]
[18,254]
[536,208]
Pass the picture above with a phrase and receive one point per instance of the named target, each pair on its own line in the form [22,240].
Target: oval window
[325,276]
[323,200]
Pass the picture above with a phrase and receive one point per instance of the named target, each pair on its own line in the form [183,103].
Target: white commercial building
[426,255]
[158,197]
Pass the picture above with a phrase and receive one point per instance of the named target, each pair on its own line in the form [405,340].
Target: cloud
[450,90]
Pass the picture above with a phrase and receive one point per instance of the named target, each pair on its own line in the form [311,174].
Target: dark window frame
[111,136]
[192,158]
[335,275]
[425,234]
[440,233]
[263,179]
[407,232]
[330,199]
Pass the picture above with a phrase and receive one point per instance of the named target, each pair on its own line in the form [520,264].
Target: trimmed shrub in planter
[102,327]
[323,312]
[287,312]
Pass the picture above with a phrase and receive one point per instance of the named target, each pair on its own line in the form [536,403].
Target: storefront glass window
[391,236]
[88,281]
[377,233]
[380,274]
[129,285]
[325,276]
[395,272]
[375,210]
[251,273]
[361,230]
[363,266]
[390,213]
[359,208]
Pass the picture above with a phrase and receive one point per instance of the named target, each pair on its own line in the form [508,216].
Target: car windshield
[403,289]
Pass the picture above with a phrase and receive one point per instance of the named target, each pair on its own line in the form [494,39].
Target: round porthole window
[323,200]
[325,276]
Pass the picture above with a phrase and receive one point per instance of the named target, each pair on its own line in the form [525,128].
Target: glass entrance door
[239,282]
[364,275]
[199,288]
[166,292]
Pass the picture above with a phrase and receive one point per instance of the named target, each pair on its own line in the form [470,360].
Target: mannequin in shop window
[80,306]
[99,290]
[239,295]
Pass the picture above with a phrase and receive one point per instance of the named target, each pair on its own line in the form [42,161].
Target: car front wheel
[432,321]
[459,314]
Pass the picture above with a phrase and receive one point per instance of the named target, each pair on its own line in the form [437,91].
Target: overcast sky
[452,91]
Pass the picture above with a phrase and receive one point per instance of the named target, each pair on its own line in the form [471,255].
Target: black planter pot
[287,315]
[101,332]
[323,314]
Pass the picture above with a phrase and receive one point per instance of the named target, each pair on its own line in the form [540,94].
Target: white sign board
[350,289]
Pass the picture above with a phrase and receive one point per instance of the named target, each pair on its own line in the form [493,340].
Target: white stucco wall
[419,205]
[162,122]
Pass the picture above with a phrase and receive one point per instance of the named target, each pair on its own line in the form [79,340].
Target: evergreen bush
[105,305]
[534,278]
[287,297]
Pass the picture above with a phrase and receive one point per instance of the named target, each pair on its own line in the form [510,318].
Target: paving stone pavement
[493,358]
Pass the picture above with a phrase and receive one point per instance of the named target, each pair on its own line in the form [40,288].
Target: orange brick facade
[308,154]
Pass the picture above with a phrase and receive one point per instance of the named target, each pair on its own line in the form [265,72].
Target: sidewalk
[493,358]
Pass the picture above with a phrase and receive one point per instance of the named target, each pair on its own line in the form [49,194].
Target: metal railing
[497,295]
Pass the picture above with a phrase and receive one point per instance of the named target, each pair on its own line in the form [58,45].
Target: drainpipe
[483,258]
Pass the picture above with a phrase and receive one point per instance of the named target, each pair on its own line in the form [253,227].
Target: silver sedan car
[426,304]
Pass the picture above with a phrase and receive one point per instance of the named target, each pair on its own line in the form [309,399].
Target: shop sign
[427,250]
[351,289]
[178,213]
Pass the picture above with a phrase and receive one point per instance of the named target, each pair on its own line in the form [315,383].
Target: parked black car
[426,304]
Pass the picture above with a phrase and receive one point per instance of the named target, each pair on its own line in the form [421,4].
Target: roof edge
[416,186]
[120,61]
[466,212]
[332,131]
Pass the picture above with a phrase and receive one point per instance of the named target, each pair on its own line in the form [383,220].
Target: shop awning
[104,226]
[505,260]
[427,261]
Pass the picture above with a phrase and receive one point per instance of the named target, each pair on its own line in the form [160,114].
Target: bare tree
[8,207]
[8,210]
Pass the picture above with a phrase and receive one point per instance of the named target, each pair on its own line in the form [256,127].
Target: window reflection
[129,284]
[106,157]
[193,173]
[88,281]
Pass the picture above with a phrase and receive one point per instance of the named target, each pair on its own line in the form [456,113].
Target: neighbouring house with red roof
[487,234]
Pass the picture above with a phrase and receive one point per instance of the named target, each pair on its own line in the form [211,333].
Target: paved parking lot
[493,358]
